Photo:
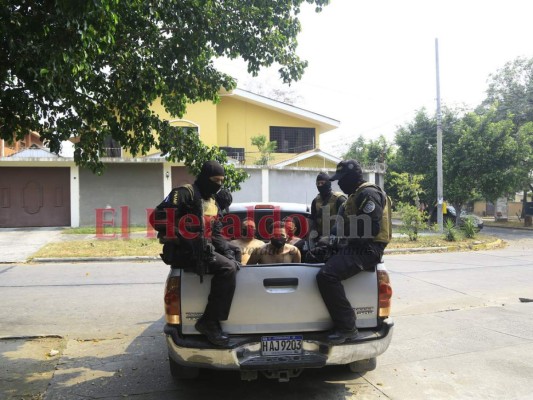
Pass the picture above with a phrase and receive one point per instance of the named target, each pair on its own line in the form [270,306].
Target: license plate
[281,345]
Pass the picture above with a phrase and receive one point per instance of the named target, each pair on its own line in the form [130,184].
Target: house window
[175,136]
[111,147]
[236,153]
[292,140]
[187,127]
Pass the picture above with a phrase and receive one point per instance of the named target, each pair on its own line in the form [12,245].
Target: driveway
[17,244]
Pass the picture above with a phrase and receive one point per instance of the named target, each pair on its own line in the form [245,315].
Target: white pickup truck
[278,324]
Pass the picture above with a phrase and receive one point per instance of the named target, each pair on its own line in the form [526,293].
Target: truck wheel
[363,365]
[180,372]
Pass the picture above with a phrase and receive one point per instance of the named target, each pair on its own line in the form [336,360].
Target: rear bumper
[244,352]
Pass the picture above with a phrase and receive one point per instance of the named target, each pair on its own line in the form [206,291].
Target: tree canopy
[368,151]
[90,70]
[487,153]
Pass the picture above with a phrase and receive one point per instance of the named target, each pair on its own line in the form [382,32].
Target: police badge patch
[369,207]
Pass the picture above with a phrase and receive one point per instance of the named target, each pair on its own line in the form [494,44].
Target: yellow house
[241,115]
[38,188]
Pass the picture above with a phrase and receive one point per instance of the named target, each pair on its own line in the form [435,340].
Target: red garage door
[34,197]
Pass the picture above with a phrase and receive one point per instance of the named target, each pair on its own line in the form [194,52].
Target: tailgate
[279,298]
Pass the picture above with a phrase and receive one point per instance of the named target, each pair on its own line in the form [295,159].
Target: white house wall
[135,186]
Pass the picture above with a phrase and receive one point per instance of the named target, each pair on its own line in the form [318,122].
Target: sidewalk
[17,244]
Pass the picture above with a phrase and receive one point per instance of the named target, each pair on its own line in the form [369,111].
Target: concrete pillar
[167,179]
[265,182]
[74,196]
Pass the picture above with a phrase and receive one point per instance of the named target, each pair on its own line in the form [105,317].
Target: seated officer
[277,251]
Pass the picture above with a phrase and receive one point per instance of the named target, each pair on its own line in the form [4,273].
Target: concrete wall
[138,186]
[285,185]
[514,208]
[251,188]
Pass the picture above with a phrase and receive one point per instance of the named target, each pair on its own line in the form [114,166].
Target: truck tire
[180,372]
[363,365]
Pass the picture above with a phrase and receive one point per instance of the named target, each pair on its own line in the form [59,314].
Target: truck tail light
[384,293]
[173,300]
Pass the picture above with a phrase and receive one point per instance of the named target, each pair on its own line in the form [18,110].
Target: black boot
[213,332]
[341,336]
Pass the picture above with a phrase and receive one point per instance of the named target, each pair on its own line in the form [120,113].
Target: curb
[519,228]
[416,250]
[483,246]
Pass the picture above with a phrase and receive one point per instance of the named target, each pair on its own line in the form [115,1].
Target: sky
[372,63]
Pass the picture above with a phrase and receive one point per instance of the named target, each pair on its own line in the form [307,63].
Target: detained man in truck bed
[366,220]
[277,250]
[247,242]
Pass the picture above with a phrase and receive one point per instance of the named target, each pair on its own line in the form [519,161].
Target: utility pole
[439,144]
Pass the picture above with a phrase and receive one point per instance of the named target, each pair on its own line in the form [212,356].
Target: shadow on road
[26,366]
[138,367]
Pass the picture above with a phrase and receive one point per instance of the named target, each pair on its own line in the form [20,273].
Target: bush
[413,220]
[469,228]
[450,232]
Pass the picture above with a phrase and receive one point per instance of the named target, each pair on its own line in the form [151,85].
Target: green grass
[118,247]
[91,230]
[100,248]
[439,241]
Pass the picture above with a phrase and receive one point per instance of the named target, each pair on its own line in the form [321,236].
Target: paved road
[461,332]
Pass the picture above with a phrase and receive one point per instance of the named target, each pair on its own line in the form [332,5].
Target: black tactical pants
[343,265]
[220,297]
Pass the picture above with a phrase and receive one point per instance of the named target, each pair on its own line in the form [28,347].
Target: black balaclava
[325,189]
[278,242]
[352,179]
[206,186]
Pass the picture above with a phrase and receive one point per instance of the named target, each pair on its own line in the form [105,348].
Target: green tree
[405,188]
[370,151]
[494,154]
[416,152]
[510,92]
[92,69]
[413,220]
[265,148]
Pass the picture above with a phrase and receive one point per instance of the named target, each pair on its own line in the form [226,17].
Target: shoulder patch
[369,207]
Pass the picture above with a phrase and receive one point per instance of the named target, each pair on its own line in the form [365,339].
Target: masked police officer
[325,206]
[198,245]
[367,231]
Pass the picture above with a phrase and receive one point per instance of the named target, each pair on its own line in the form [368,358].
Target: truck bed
[278,298]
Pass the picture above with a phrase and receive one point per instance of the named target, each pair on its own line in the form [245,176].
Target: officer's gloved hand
[323,242]
[209,253]
[333,241]
[238,265]
[230,254]
[314,235]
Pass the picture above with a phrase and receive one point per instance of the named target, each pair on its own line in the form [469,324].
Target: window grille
[236,153]
[111,147]
[292,139]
